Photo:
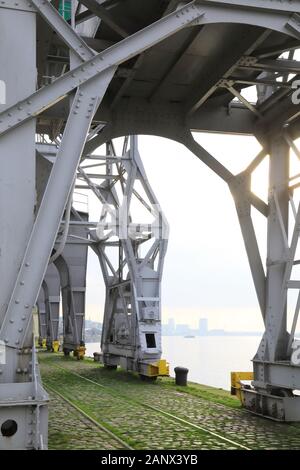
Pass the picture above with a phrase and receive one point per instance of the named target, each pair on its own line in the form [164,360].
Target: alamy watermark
[296,93]
[2,92]
[295,356]
[2,353]
[117,222]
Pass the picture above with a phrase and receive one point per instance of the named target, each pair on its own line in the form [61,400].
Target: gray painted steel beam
[288,45]
[129,47]
[98,10]
[92,78]
[22,398]
[227,62]
[281,374]
[182,50]
[207,158]
[284,5]
[274,343]
[282,22]
[63,29]
[42,314]
[278,65]
[133,299]
[128,80]
[21,5]
[240,188]
[44,231]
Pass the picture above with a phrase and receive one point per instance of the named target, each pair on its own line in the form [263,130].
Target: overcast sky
[206,270]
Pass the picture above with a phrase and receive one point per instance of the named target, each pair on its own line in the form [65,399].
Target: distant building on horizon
[203,326]
[183,329]
[171,326]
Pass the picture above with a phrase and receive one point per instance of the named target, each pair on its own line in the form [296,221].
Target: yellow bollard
[236,385]
[55,346]
[79,353]
[158,369]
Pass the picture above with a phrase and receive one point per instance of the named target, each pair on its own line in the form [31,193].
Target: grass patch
[215,395]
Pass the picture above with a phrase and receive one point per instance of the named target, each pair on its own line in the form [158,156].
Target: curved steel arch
[280,21]
[71,334]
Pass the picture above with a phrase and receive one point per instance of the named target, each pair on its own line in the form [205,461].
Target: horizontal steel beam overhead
[58,59]
[227,61]
[115,55]
[84,223]
[98,45]
[276,20]
[207,119]
[104,176]
[63,29]
[277,112]
[270,51]
[82,17]
[23,5]
[278,65]
[126,121]
[260,81]
[215,119]
[284,5]
[276,97]
[128,80]
[100,11]
[178,56]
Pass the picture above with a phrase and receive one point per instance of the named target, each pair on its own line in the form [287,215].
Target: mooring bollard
[97,357]
[181,375]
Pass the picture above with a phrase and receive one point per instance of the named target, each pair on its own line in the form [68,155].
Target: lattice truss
[130,241]
[283,258]
[132,277]
[289,261]
[89,77]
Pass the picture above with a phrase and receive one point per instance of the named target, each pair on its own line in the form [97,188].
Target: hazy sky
[206,270]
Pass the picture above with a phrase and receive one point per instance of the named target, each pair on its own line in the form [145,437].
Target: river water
[210,359]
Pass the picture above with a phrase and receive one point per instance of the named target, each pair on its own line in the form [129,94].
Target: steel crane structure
[76,75]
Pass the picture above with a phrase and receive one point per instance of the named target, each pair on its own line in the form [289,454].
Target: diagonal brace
[285,5]
[18,315]
[115,55]
[63,29]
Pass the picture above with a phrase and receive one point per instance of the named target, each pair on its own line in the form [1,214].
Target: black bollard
[97,357]
[181,375]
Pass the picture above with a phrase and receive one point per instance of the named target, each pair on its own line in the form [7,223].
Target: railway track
[224,441]
[114,438]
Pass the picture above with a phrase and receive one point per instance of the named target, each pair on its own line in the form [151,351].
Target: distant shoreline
[209,335]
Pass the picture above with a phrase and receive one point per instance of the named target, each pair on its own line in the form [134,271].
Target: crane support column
[23,414]
[131,253]
[52,299]
[41,306]
[72,266]
[275,376]
[276,366]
